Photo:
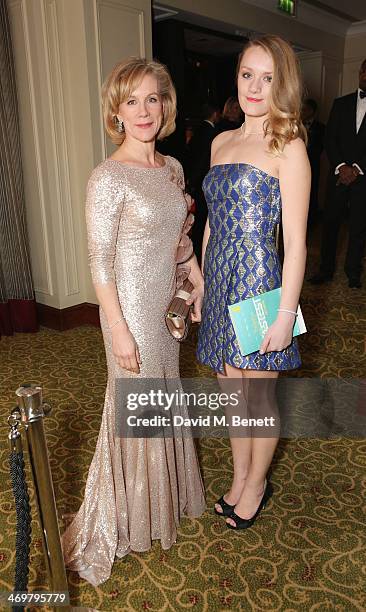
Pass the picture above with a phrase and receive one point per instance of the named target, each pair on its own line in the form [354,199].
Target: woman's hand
[279,334]
[196,298]
[125,349]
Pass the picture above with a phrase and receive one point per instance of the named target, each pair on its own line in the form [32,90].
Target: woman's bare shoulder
[224,137]
[294,162]
[222,141]
[295,147]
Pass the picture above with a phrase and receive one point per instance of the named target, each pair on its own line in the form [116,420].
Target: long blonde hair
[125,77]
[284,117]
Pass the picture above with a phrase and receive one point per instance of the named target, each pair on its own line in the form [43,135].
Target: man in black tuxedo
[199,153]
[315,147]
[345,145]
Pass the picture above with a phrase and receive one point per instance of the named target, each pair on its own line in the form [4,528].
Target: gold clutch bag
[178,316]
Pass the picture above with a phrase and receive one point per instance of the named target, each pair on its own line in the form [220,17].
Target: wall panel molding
[98,55]
[129,10]
[63,50]
[109,50]
[56,88]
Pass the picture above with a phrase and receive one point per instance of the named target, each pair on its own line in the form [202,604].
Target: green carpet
[308,549]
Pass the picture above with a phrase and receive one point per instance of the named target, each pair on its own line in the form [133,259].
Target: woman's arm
[295,180]
[104,206]
[124,346]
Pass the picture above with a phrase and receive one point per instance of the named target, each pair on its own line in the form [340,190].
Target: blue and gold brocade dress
[241,261]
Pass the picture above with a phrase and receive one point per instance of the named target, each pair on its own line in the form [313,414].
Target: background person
[197,166]
[315,145]
[232,115]
[345,145]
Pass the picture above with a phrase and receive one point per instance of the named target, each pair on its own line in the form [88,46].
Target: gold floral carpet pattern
[306,552]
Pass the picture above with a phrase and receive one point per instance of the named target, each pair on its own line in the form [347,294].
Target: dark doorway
[202,63]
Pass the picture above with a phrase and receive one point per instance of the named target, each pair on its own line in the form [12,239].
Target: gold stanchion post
[32,411]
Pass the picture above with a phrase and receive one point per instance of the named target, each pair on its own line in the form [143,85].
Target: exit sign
[287,6]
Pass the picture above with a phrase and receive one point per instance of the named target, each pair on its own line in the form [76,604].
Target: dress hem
[218,371]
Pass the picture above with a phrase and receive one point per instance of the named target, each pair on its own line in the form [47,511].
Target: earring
[120,126]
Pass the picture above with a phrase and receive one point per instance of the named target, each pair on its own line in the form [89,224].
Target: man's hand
[347,174]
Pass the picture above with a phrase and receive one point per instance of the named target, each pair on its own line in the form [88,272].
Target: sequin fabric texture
[241,261]
[137,488]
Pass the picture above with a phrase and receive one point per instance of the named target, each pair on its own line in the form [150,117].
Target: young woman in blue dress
[259,175]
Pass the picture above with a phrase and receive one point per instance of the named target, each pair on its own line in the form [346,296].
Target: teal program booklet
[252,317]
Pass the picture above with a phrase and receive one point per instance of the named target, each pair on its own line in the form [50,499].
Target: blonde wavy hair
[284,118]
[125,77]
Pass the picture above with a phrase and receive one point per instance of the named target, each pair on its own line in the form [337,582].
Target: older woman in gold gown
[137,488]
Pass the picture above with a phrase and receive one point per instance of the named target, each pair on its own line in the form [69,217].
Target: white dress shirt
[361,110]
[360,113]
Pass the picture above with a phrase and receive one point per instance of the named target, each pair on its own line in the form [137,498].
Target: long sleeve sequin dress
[137,488]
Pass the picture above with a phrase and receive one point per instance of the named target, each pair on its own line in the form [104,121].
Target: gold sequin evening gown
[137,488]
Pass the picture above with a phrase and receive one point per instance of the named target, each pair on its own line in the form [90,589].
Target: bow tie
[362,94]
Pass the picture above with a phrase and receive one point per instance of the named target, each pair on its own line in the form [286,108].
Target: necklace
[245,133]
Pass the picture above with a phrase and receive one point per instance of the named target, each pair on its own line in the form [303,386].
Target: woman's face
[142,112]
[255,81]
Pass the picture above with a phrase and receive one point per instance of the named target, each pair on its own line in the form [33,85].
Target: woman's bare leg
[241,447]
[262,451]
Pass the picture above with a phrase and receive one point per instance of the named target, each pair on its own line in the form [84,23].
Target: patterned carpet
[308,549]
